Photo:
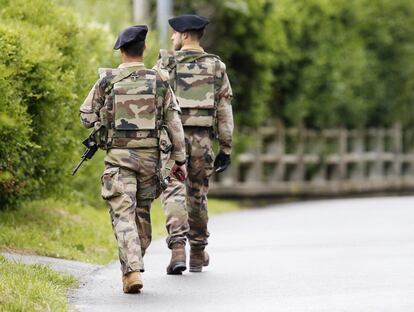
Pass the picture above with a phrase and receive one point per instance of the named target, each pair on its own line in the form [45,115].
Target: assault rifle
[91,148]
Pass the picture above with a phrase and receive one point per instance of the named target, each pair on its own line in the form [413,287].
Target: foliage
[318,62]
[113,15]
[32,287]
[344,63]
[46,69]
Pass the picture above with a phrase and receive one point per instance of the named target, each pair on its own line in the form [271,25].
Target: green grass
[59,230]
[32,287]
[73,231]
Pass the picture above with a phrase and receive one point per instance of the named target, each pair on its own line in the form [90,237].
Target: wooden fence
[289,162]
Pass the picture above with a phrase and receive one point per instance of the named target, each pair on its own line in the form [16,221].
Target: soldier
[130,105]
[204,94]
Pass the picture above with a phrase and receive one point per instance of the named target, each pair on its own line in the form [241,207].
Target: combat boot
[198,259]
[178,260]
[132,282]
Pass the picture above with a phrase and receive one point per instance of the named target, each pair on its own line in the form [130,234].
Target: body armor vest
[132,112]
[193,79]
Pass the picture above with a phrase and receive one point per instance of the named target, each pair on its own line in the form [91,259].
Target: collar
[131,64]
[192,48]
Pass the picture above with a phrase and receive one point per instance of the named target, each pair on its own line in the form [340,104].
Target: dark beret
[188,22]
[131,34]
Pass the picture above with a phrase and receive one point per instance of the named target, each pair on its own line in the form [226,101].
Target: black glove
[221,162]
[180,163]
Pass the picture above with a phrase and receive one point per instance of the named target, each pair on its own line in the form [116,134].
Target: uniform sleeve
[158,64]
[175,127]
[89,110]
[225,123]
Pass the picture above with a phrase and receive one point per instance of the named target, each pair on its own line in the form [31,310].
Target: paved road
[338,255]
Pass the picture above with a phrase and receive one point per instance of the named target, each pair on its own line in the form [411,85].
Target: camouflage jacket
[89,110]
[222,90]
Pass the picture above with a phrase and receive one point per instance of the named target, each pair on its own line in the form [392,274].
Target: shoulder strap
[122,75]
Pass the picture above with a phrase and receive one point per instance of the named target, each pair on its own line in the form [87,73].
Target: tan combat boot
[178,260]
[132,282]
[198,259]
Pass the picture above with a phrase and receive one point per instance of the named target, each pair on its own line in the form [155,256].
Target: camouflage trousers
[173,200]
[129,185]
[191,196]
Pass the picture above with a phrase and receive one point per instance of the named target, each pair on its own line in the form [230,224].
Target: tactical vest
[195,85]
[132,112]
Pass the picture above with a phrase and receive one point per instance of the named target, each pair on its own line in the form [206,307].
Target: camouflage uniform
[204,94]
[130,179]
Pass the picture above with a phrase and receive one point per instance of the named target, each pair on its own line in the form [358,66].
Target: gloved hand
[221,162]
[179,171]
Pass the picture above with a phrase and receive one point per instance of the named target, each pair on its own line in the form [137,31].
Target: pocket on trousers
[209,164]
[111,183]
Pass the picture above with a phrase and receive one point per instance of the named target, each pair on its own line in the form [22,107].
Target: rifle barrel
[78,166]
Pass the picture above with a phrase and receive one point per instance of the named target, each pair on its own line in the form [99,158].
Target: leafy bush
[344,63]
[48,64]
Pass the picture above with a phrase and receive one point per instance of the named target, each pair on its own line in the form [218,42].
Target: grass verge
[72,231]
[57,229]
[32,287]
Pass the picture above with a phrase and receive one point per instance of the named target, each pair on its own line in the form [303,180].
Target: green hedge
[321,63]
[49,62]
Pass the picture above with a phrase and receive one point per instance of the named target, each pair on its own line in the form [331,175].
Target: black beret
[131,34]
[188,22]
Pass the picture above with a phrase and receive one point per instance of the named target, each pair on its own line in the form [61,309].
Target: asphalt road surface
[336,255]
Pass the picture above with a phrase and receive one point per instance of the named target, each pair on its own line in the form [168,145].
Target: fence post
[343,149]
[280,139]
[379,152]
[258,162]
[300,152]
[397,150]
